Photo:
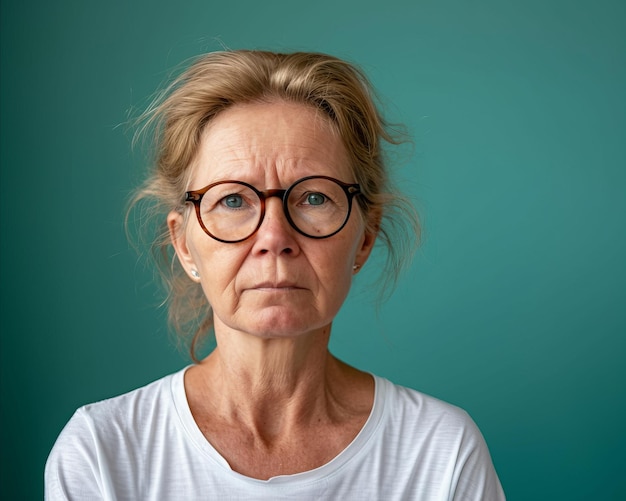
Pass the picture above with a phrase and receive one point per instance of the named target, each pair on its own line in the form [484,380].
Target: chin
[282,327]
[275,323]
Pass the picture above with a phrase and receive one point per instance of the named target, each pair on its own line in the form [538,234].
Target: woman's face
[277,283]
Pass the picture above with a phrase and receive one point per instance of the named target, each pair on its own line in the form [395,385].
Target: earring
[195,274]
[356,267]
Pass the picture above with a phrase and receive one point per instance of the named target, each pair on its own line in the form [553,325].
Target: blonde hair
[218,80]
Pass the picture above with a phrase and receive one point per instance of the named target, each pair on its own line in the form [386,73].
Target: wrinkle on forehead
[287,137]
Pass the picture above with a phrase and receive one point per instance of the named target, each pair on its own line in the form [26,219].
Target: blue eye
[233,201]
[315,198]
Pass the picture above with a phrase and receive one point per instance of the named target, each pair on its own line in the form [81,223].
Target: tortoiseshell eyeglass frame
[195,197]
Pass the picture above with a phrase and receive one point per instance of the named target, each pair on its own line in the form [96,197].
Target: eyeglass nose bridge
[278,193]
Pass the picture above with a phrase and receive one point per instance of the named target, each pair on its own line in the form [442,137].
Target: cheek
[334,269]
[218,278]
[218,265]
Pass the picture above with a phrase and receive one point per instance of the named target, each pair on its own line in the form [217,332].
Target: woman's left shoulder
[437,439]
[421,413]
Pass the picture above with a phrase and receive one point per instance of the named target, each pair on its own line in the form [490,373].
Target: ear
[178,237]
[369,238]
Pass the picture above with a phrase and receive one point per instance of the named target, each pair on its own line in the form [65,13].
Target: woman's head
[273,242]
[337,92]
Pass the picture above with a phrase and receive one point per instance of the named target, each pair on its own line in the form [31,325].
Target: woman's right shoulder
[114,429]
[133,407]
[124,413]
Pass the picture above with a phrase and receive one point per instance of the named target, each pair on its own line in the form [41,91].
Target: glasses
[232,211]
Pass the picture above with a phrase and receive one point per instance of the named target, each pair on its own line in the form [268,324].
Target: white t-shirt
[146,445]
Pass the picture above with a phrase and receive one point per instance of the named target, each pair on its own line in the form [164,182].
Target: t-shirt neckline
[356,447]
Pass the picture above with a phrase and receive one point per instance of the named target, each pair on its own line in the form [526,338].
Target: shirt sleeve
[72,470]
[475,478]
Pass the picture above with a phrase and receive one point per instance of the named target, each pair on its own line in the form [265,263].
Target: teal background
[514,308]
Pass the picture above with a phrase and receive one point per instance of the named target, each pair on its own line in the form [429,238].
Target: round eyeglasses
[232,211]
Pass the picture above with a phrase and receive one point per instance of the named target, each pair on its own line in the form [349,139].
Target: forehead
[269,145]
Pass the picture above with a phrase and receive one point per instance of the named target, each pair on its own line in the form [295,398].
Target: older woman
[271,182]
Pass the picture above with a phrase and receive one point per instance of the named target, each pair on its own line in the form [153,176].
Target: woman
[270,172]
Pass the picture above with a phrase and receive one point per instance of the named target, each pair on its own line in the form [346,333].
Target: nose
[275,235]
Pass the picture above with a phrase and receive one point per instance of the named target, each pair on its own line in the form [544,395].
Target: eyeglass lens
[316,207]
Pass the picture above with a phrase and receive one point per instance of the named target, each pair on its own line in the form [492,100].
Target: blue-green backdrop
[515,305]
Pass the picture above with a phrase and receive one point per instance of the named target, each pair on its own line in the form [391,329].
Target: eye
[233,201]
[315,199]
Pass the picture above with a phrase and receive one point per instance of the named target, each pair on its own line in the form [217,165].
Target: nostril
[286,250]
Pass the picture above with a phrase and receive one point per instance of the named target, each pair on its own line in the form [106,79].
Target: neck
[278,363]
[277,406]
[273,385]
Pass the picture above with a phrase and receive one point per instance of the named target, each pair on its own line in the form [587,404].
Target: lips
[275,286]
[280,285]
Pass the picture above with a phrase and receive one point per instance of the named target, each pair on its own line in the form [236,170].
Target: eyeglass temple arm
[193,196]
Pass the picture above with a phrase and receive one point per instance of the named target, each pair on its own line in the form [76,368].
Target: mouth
[275,287]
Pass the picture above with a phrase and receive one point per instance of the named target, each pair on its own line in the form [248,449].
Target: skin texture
[270,398]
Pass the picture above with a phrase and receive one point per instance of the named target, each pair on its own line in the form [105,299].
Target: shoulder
[132,408]
[410,408]
[111,431]
[132,411]
[437,439]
